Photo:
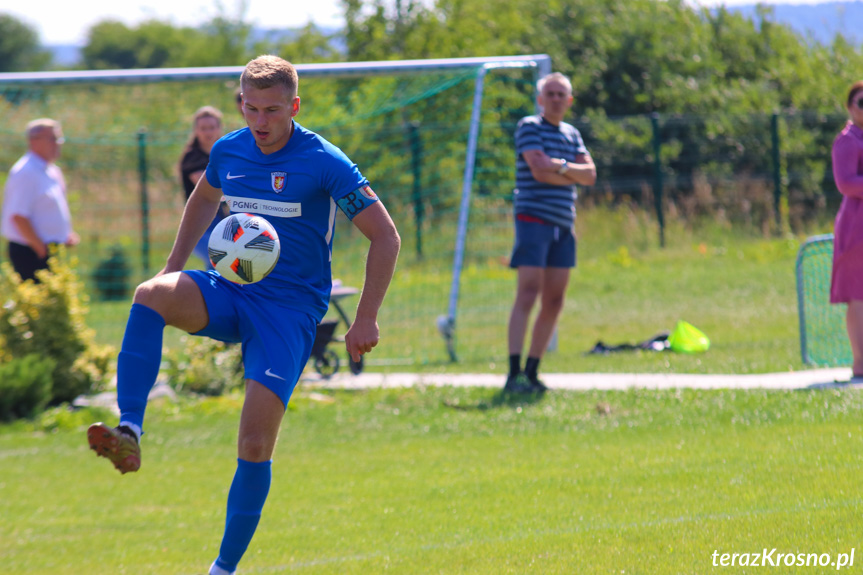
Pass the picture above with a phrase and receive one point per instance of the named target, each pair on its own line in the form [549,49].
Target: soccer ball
[244,248]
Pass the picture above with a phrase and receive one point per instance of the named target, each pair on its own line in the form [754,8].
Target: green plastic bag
[686,338]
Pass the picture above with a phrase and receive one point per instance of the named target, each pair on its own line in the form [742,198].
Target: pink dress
[847,279]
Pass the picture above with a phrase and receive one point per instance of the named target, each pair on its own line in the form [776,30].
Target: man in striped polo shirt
[551,160]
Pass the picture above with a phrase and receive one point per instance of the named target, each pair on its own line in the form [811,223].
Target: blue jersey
[296,189]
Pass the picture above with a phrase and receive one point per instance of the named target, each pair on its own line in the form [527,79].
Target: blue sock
[138,362]
[245,502]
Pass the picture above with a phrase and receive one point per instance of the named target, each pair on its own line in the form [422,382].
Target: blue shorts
[276,341]
[543,246]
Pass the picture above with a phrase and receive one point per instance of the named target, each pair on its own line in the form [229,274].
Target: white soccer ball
[244,248]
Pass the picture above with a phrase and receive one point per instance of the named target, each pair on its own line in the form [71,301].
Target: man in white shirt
[35,210]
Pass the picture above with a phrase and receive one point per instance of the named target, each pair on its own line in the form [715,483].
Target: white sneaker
[216,570]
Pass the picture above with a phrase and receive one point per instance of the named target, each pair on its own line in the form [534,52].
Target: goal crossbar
[334,69]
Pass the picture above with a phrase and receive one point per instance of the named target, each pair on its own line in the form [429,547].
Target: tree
[20,50]
[308,46]
[152,44]
[225,40]
[714,76]
[405,29]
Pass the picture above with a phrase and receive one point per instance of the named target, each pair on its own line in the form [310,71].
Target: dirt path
[815,378]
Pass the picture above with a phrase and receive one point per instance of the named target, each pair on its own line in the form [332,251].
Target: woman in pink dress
[847,280]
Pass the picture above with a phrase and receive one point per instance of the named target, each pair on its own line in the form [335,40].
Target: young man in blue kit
[295,179]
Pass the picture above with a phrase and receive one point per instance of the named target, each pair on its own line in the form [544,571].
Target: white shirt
[36,190]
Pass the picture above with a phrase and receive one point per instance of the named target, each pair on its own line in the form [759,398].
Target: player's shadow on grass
[499,400]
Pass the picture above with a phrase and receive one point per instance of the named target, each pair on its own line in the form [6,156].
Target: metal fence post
[145,202]
[416,165]
[777,169]
[657,176]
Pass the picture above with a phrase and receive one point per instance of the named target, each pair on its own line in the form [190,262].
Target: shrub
[47,319]
[25,386]
[205,366]
[67,418]
[111,276]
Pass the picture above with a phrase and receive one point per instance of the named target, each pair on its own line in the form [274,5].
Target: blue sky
[70,25]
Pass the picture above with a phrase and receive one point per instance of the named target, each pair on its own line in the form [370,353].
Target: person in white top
[35,210]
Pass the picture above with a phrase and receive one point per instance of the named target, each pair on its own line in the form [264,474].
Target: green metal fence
[823,337]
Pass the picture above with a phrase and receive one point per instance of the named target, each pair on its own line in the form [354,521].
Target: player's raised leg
[171,299]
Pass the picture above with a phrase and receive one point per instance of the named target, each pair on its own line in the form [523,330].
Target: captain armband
[357,201]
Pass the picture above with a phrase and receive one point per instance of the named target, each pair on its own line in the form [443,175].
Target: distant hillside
[820,22]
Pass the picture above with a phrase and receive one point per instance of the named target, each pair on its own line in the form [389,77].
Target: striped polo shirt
[552,204]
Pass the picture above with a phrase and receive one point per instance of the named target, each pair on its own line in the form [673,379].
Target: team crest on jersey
[278,179]
[368,192]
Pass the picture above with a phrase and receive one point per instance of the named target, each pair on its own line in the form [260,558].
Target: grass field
[464,481]
[452,481]
[456,480]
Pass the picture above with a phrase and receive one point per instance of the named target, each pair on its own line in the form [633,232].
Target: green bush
[111,276]
[205,366]
[67,418]
[25,386]
[47,319]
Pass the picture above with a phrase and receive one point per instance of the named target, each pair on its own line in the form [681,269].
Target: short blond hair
[557,76]
[36,127]
[267,71]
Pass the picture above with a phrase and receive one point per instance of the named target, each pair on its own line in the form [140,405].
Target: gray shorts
[542,245]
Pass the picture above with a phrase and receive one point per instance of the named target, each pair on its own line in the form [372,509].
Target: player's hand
[361,337]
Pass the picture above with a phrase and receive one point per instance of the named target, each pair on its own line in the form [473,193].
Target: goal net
[823,337]
[434,138]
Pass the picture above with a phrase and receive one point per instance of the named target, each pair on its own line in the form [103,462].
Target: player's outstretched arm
[200,211]
[375,223]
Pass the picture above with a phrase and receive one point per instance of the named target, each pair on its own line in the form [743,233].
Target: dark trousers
[25,261]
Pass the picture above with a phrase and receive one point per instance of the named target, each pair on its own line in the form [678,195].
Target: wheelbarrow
[326,360]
